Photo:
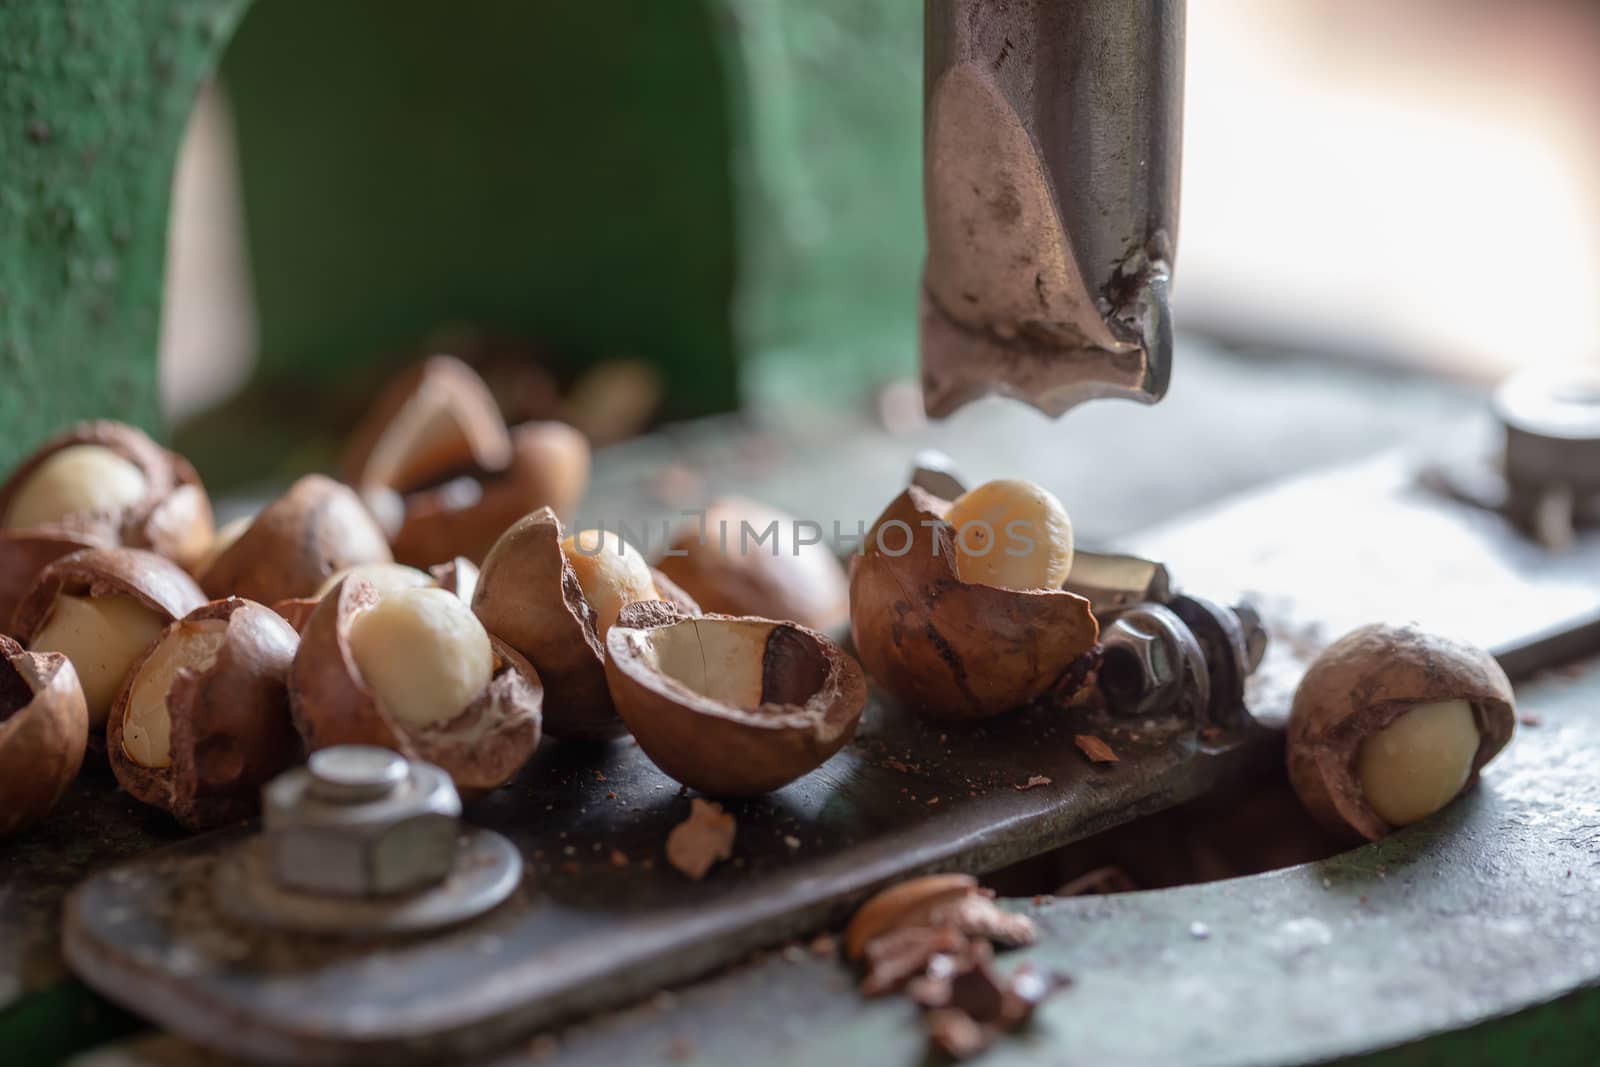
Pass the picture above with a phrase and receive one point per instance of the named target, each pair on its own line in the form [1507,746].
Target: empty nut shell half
[951,649]
[465,515]
[171,516]
[728,572]
[298,540]
[732,706]
[44,725]
[1361,684]
[481,746]
[435,417]
[202,722]
[529,597]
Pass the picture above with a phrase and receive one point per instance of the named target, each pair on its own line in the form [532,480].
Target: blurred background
[719,204]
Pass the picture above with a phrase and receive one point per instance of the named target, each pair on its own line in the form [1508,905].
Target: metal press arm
[1053,131]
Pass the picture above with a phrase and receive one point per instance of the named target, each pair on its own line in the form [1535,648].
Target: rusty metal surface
[602,918]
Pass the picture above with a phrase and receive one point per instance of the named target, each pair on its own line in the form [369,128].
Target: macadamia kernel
[611,573]
[423,654]
[147,722]
[102,636]
[79,479]
[1011,534]
[386,578]
[1419,762]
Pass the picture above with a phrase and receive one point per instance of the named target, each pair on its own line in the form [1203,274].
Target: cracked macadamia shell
[1364,682]
[132,579]
[528,596]
[465,515]
[316,528]
[481,747]
[733,706]
[434,417]
[222,674]
[44,726]
[951,649]
[171,517]
[719,563]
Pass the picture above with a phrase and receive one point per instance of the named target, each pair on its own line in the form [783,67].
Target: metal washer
[487,871]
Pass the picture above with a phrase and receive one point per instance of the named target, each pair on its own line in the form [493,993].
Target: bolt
[351,774]
[1255,635]
[934,472]
[358,820]
[1151,664]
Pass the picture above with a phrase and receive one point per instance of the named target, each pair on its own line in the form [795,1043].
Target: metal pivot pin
[363,842]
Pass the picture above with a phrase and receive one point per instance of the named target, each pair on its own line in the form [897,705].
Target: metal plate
[603,919]
[1482,924]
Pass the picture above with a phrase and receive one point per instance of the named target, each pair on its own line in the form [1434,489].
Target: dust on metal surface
[603,919]
[1463,925]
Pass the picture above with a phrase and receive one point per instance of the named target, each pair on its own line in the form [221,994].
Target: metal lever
[1053,134]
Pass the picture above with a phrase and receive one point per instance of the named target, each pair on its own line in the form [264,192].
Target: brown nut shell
[230,722]
[465,516]
[173,519]
[900,905]
[24,553]
[481,748]
[732,706]
[951,649]
[314,529]
[528,596]
[44,727]
[774,579]
[1363,682]
[434,417]
[154,581]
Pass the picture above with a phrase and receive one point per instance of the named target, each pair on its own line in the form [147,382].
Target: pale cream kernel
[611,572]
[1011,534]
[79,479]
[1419,762]
[423,653]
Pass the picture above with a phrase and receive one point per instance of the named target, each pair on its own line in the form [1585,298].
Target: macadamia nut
[79,479]
[1419,762]
[1011,534]
[225,536]
[147,723]
[423,653]
[611,573]
[386,578]
[102,636]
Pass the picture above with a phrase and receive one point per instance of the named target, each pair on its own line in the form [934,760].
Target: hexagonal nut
[1152,664]
[401,842]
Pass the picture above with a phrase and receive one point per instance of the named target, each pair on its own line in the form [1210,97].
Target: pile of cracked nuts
[433,602]
[430,602]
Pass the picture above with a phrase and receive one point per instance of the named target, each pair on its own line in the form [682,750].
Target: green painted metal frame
[93,101]
[728,187]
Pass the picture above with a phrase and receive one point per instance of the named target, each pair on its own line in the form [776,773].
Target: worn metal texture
[1052,141]
[93,101]
[603,919]
[1329,552]
[1471,938]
